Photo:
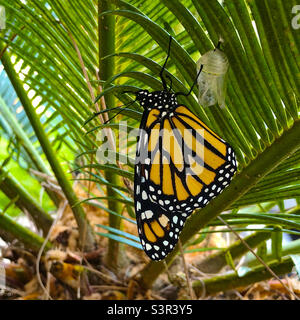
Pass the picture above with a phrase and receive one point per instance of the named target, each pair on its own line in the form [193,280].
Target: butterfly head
[156,99]
[141,95]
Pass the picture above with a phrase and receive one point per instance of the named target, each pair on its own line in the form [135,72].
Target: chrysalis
[212,79]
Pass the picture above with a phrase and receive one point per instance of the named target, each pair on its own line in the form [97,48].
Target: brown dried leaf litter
[67,273]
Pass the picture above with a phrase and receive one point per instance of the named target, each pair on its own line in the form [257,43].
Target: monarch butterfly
[181,165]
[212,80]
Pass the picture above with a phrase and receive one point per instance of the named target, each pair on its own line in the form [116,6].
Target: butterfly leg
[193,85]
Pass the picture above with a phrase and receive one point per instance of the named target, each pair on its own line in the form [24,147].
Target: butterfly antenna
[193,85]
[171,82]
[164,66]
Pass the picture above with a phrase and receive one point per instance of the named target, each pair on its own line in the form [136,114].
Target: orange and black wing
[157,227]
[190,164]
[181,165]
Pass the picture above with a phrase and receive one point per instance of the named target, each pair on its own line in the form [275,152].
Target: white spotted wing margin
[158,229]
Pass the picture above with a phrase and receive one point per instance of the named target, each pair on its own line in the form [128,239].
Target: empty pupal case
[212,79]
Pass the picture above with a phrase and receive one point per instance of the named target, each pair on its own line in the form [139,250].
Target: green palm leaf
[261,119]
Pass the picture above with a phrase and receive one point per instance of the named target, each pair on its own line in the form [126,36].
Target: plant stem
[268,160]
[215,262]
[13,230]
[292,247]
[106,31]
[86,234]
[231,281]
[12,189]
[27,145]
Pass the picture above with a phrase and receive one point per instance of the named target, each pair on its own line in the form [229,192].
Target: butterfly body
[181,165]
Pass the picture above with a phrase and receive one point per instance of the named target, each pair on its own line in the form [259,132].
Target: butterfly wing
[158,228]
[190,164]
[181,165]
